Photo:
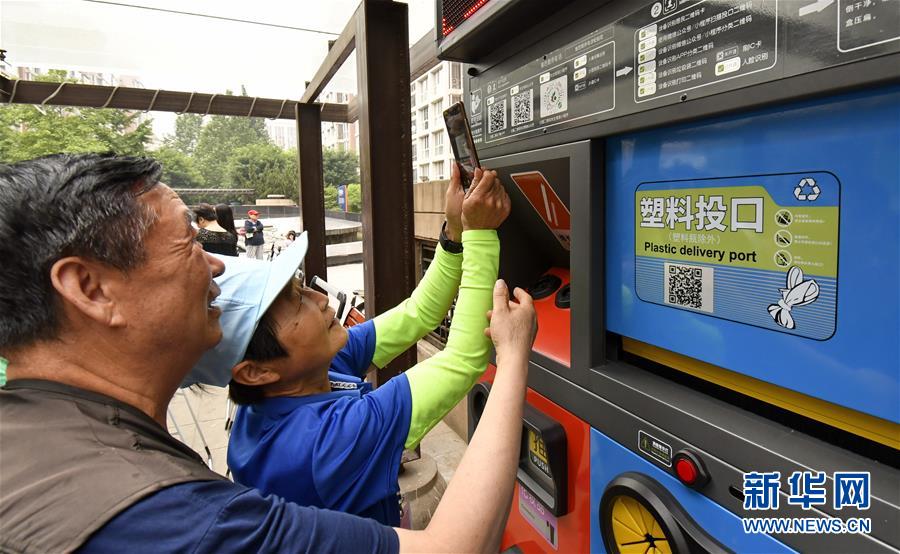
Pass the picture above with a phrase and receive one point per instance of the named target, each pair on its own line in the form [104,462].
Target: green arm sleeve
[438,383]
[400,327]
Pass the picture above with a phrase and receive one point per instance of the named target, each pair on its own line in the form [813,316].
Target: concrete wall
[240,212]
[349,216]
[428,206]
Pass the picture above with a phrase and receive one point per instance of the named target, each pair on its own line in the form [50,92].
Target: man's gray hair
[65,205]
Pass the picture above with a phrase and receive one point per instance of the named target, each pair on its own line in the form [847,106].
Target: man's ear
[253,374]
[85,286]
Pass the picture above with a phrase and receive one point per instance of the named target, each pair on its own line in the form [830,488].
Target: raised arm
[437,384]
[474,509]
[402,326]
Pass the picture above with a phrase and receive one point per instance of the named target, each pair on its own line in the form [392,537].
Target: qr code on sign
[497,116]
[522,105]
[689,286]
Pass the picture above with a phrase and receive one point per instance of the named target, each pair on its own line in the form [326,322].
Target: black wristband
[447,244]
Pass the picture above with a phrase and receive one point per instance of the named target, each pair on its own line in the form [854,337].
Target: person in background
[100,330]
[289,238]
[253,236]
[225,217]
[213,236]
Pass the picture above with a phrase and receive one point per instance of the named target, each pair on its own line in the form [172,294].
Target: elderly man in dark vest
[106,302]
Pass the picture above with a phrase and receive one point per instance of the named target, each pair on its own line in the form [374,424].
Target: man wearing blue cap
[99,331]
[298,373]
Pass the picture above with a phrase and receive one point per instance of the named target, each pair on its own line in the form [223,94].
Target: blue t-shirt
[338,450]
[221,516]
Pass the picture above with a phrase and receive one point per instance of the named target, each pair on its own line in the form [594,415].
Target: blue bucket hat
[249,287]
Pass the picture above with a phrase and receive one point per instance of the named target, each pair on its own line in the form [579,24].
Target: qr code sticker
[522,105]
[689,286]
[554,96]
[497,116]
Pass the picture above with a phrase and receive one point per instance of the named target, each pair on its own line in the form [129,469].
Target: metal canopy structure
[377,32]
[128,98]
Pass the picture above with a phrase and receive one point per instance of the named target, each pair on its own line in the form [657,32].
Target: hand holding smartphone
[461,142]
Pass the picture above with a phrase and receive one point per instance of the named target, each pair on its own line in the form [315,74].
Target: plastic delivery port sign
[543,198]
[760,250]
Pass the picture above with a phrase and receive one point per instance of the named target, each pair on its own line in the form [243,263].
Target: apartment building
[431,92]
[341,136]
[283,133]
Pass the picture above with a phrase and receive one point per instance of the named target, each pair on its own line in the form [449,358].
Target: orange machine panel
[554,324]
[572,529]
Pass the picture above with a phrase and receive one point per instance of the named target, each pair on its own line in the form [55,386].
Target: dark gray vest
[70,460]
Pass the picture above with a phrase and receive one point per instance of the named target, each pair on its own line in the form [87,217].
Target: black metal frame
[378,32]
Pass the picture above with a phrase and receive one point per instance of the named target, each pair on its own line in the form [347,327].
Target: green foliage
[27,133]
[266,168]
[331,202]
[354,198]
[339,167]
[187,133]
[179,169]
[219,139]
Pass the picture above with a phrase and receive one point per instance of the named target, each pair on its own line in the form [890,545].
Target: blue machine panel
[847,354]
[609,460]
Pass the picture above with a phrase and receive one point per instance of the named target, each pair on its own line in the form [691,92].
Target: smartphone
[461,142]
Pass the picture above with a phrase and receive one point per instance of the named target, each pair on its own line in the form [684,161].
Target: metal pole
[312,194]
[385,161]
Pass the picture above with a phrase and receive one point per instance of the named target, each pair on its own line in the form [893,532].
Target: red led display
[454,12]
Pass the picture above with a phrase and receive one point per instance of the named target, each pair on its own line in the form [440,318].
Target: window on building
[454,98]
[438,114]
[423,89]
[423,172]
[437,170]
[455,75]
[438,143]
[423,146]
[414,155]
[423,117]
[434,82]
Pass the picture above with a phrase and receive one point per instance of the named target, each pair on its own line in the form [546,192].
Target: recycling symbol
[807,189]
[476,101]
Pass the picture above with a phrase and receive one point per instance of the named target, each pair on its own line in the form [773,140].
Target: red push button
[690,469]
[686,471]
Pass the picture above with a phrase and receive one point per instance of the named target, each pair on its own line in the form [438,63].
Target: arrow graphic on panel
[624,71]
[815,7]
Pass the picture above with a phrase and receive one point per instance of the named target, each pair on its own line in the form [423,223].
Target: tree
[354,198]
[339,167]
[179,169]
[28,131]
[265,168]
[219,139]
[187,133]
[331,202]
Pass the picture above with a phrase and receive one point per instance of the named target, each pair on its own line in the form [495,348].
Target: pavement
[342,253]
